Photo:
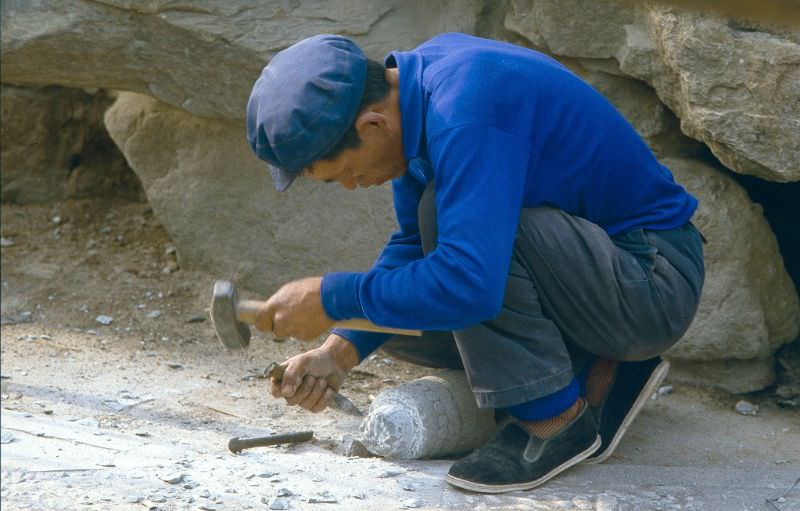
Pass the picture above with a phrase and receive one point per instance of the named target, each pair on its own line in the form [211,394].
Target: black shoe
[516,460]
[633,383]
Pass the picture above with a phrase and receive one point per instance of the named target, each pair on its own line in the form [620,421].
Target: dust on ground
[117,395]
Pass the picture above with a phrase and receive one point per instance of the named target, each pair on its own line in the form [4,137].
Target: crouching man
[541,246]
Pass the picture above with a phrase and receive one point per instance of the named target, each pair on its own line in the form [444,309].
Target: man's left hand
[295,310]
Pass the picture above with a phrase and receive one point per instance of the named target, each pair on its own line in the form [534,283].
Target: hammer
[232,316]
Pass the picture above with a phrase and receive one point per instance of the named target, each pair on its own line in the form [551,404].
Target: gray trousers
[573,293]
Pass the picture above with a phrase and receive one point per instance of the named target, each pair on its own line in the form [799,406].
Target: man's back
[582,157]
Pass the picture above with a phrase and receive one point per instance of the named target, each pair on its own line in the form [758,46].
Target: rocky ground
[116,395]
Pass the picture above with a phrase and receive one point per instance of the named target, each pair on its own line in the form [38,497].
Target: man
[541,247]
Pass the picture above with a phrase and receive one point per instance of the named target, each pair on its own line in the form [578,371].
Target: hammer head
[231,332]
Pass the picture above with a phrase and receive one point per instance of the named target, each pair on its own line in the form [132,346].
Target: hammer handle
[246,311]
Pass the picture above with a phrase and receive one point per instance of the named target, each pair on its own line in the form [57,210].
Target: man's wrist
[342,351]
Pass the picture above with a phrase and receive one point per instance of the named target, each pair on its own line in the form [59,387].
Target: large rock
[200,56]
[216,200]
[749,305]
[735,87]
[54,146]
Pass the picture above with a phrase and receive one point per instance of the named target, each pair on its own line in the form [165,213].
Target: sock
[548,427]
[598,380]
[547,406]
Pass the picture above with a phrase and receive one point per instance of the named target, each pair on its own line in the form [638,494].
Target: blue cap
[304,102]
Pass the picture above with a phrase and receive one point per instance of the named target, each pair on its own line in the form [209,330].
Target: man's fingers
[292,377]
[324,401]
[264,319]
[302,391]
[316,393]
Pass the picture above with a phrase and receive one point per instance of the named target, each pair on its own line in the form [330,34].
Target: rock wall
[709,93]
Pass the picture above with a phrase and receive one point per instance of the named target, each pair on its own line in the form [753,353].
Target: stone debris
[174,365]
[6,437]
[6,242]
[204,494]
[103,319]
[582,503]
[606,503]
[171,477]
[284,492]
[190,485]
[15,319]
[411,503]
[171,267]
[389,473]
[133,499]
[359,495]
[324,497]
[661,391]
[153,314]
[746,408]
[279,504]
[197,318]
[354,448]
[408,486]
[89,422]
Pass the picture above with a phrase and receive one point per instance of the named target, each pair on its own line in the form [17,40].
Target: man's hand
[312,377]
[295,311]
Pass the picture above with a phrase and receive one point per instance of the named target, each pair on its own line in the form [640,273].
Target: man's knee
[642,349]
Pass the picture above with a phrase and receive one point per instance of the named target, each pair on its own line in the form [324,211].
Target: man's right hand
[312,377]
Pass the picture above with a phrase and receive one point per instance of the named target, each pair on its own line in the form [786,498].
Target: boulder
[54,146]
[749,305]
[200,56]
[735,376]
[217,202]
[735,86]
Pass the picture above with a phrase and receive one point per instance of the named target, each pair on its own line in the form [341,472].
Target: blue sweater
[497,128]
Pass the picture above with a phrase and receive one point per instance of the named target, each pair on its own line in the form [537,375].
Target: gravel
[746,408]
[171,477]
[104,320]
[279,504]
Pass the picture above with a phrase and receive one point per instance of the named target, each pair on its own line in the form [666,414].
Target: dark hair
[375,89]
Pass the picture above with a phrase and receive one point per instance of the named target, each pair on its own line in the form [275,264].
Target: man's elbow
[485,306]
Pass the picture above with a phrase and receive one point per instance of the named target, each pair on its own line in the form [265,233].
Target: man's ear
[370,118]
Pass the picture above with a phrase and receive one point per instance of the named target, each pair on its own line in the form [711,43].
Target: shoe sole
[656,377]
[503,488]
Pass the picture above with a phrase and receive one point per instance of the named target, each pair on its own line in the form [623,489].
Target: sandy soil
[136,414]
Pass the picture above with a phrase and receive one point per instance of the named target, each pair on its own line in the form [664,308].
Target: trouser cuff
[537,389]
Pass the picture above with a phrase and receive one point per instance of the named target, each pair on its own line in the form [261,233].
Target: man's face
[378,159]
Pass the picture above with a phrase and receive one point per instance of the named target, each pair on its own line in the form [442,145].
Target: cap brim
[282,179]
